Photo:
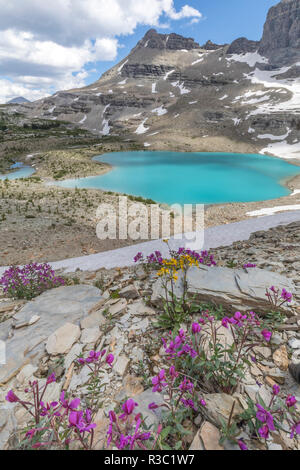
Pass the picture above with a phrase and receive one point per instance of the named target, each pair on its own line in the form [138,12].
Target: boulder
[219,406]
[235,289]
[207,438]
[280,358]
[61,341]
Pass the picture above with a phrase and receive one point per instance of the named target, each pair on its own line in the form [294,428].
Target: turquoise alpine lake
[187,178]
[20,171]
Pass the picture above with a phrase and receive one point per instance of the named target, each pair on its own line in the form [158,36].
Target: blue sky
[64,44]
[223,21]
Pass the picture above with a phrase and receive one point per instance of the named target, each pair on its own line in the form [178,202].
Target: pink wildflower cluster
[183,392]
[203,257]
[126,431]
[61,413]
[278,298]
[181,345]
[29,281]
[96,357]
[268,417]
[156,258]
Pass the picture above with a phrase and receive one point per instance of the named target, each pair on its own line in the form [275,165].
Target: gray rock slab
[55,308]
[235,288]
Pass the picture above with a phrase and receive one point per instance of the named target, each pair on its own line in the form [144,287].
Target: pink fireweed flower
[264,431]
[290,401]
[196,328]
[237,319]
[112,416]
[11,397]
[82,420]
[267,335]
[159,381]
[287,296]
[265,417]
[153,406]
[128,408]
[242,445]
[189,404]
[69,406]
[295,430]
[109,359]
[186,385]
[49,409]
[172,372]
[93,356]
[30,433]
[51,379]
[138,436]
[225,322]
[138,257]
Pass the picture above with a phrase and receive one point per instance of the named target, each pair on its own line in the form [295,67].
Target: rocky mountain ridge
[172,92]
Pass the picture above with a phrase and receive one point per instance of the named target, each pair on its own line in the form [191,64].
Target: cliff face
[281,37]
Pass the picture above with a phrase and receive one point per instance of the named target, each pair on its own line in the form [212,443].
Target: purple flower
[109,359]
[172,372]
[295,430]
[196,328]
[189,404]
[81,420]
[225,322]
[51,379]
[31,433]
[112,416]
[290,401]
[276,389]
[128,408]
[266,334]
[287,296]
[186,385]
[69,406]
[202,402]
[138,257]
[159,381]
[153,406]
[265,417]
[242,445]
[11,397]
[249,265]
[264,431]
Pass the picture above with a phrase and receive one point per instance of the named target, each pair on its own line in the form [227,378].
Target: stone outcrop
[242,46]
[211,46]
[281,37]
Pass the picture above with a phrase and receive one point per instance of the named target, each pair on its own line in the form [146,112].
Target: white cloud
[185,12]
[47,45]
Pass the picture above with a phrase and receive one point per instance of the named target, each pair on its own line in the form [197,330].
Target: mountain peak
[211,46]
[18,100]
[172,41]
